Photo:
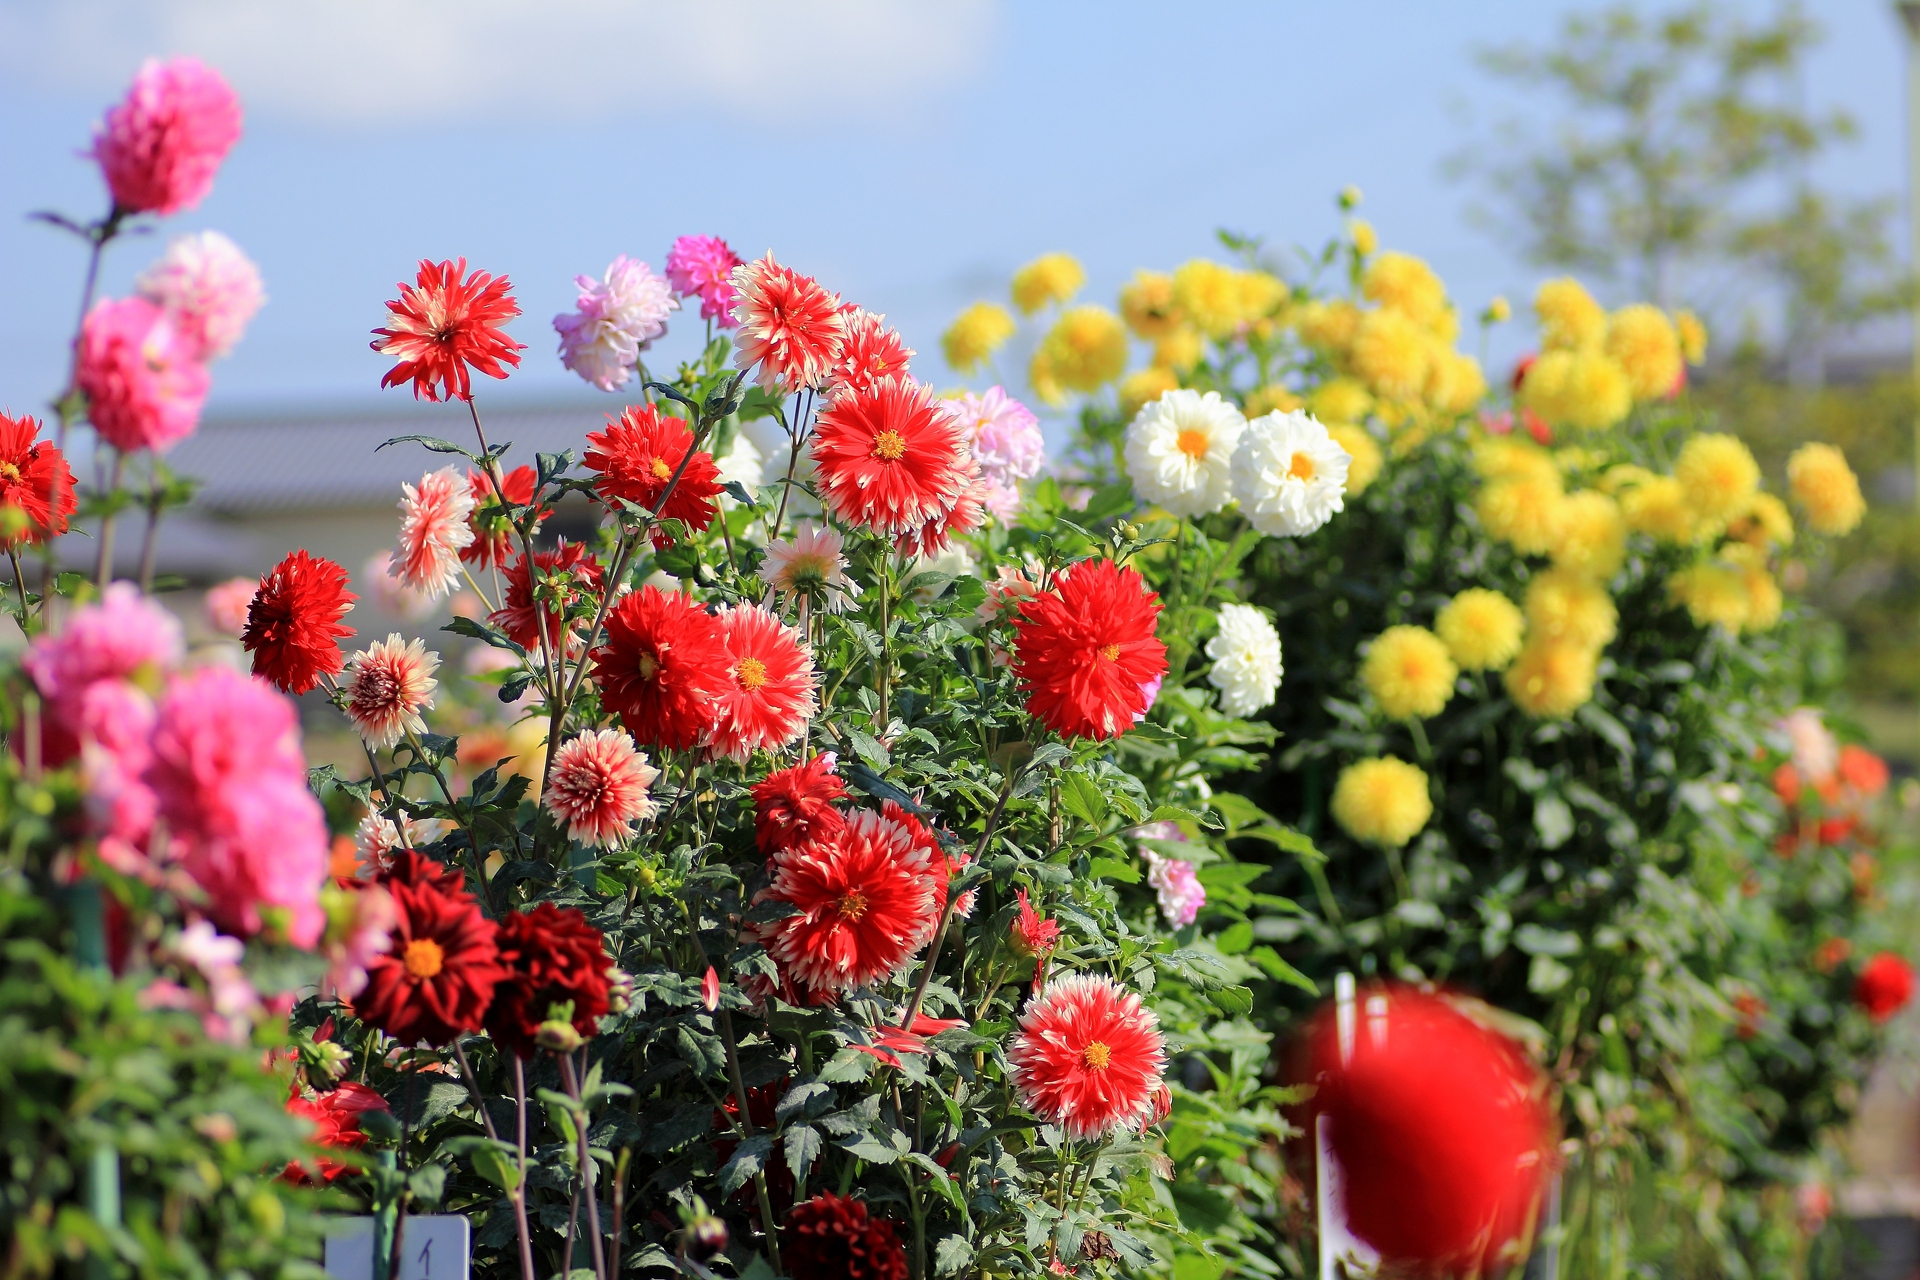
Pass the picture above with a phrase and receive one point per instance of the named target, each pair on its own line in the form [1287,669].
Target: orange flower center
[9,473]
[1193,443]
[890,445]
[661,471]
[423,958]
[752,673]
[853,906]
[1096,1056]
[648,665]
[1301,468]
[1111,652]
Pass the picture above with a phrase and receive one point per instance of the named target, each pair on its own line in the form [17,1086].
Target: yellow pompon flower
[1522,511]
[1340,400]
[1512,457]
[1715,594]
[1408,672]
[1086,348]
[1365,239]
[1719,474]
[1764,601]
[1765,523]
[1179,350]
[1147,305]
[1045,380]
[1052,277]
[1481,629]
[1209,295]
[1570,320]
[1363,454]
[1327,327]
[1391,353]
[1584,390]
[1138,390]
[1642,341]
[1570,608]
[1658,507]
[1454,382]
[1693,336]
[1260,296]
[975,335]
[1446,326]
[1589,535]
[1404,283]
[1270,399]
[1382,801]
[1552,679]
[1499,311]
[1825,485]
[1623,476]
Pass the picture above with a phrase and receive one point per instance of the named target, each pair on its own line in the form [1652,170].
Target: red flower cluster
[552,956]
[637,457]
[443,322]
[892,459]
[663,669]
[828,1238]
[1884,987]
[293,625]
[492,529]
[1086,651]
[572,568]
[36,485]
[794,805]
[437,979]
[1440,1126]
[336,1121]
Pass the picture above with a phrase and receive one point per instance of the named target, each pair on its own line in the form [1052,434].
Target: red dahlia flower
[1859,768]
[790,327]
[636,458]
[1089,1056]
[873,351]
[1440,1127]
[35,481]
[552,956]
[865,903]
[1086,650]
[967,515]
[663,669]
[941,867]
[890,458]
[1032,933]
[492,528]
[769,690]
[293,625]
[1884,986]
[827,1238]
[443,322]
[571,568]
[336,1121]
[437,979]
[794,805]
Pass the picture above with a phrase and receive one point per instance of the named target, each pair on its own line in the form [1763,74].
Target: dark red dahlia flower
[293,625]
[636,458]
[572,570]
[443,322]
[552,956]
[663,668]
[438,977]
[1884,986]
[827,1238]
[35,481]
[492,529]
[336,1119]
[794,805]
[1086,651]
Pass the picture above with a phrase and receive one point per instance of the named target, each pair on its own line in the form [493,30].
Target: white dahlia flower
[1289,474]
[1180,451]
[1246,660]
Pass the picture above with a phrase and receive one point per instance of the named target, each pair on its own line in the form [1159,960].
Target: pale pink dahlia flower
[613,321]
[160,147]
[598,787]
[382,583]
[361,930]
[703,266]
[1006,441]
[226,606]
[375,839]
[1180,892]
[143,383]
[434,529]
[388,684]
[811,565]
[209,288]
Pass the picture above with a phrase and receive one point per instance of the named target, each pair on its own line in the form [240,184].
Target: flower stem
[588,1170]
[946,915]
[520,1145]
[103,566]
[517,1196]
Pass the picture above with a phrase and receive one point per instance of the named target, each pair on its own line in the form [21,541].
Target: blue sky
[910,155]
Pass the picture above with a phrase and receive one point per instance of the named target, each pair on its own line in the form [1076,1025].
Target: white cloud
[359,62]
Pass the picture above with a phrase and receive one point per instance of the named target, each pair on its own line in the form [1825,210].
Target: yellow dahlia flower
[1658,507]
[1570,608]
[1259,295]
[1138,390]
[1552,679]
[1340,400]
[1086,348]
[1719,475]
[1392,354]
[1582,389]
[1499,311]
[975,335]
[1327,327]
[1180,350]
[1365,239]
[1209,295]
[1481,629]
[1408,672]
[1147,305]
[1271,399]
[1052,277]
[1642,341]
[1454,382]
[1363,453]
[1715,594]
[1765,523]
[1512,457]
[1382,801]
[1825,485]
[1046,382]
[1403,283]
[1589,535]
[1764,600]
[1570,319]
[1693,336]
[1521,510]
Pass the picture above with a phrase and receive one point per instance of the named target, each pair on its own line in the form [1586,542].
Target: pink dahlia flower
[143,383]
[160,147]
[1180,892]
[614,320]
[1006,441]
[209,288]
[123,635]
[434,529]
[703,266]
[598,787]
[226,606]
[232,787]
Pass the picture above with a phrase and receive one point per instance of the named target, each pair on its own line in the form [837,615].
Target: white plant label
[432,1247]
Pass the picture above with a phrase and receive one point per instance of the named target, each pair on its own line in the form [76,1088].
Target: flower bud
[330,1060]
[703,1238]
[560,1037]
[1162,1105]
[619,990]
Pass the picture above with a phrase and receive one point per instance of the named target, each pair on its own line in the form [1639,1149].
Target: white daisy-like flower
[1180,451]
[1246,660]
[811,565]
[1289,475]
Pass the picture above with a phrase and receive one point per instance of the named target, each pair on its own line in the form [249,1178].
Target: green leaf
[474,629]
[1552,821]
[871,1148]
[952,1255]
[1280,971]
[804,1145]
[1232,1001]
[434,443]
[1081,798]
[749,1158]
[1235,938]
[1113,869]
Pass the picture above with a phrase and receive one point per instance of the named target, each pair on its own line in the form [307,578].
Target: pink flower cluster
[613,321]
[1006,442]
[702,267]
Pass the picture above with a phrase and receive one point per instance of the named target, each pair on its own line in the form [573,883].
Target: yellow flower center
[1111,652]
[423,958]
[853,906]
[890,445]
[648,666]
[1193,443]
[752,673]
[9,473]
[1096,1056]
[1301,468]
[661,471]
